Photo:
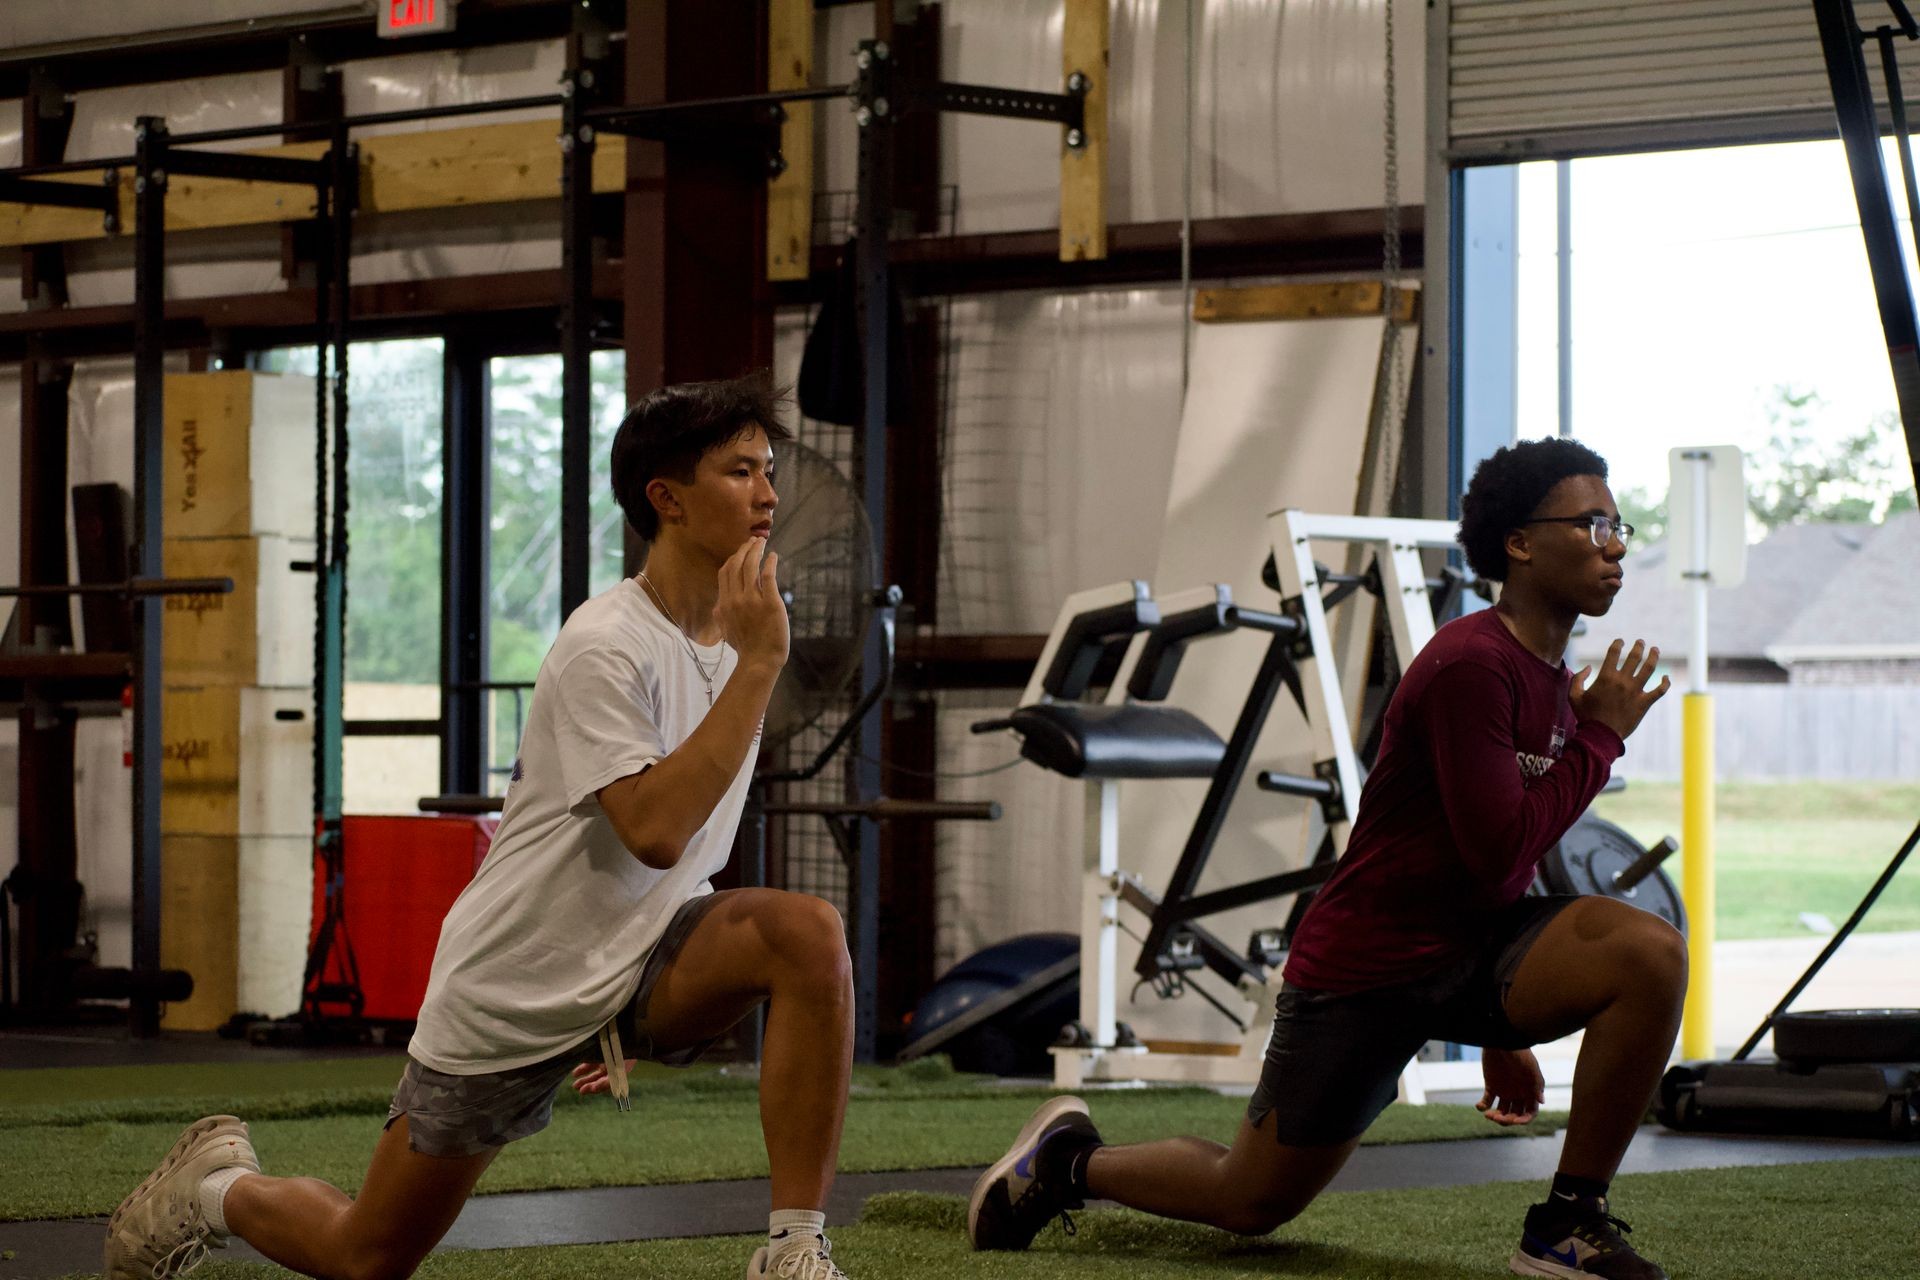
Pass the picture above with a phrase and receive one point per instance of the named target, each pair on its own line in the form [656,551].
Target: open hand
[1618,696]
[1515,1086]
[591,1077]
[751,614]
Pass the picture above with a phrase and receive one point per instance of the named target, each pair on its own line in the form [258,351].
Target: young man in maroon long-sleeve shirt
[1491,749]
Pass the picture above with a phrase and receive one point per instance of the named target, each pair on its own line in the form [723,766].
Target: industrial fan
[825,545]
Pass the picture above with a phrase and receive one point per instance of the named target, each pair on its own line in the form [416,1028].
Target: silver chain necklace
[685,639]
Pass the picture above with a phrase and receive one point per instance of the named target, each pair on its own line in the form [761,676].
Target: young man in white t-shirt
[592,922]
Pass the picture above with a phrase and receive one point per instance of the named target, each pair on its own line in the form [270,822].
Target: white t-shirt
[546,943]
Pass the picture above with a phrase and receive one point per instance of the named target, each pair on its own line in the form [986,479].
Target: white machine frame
[1397,544]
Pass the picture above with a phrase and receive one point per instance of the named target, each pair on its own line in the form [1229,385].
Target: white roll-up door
[1546,77]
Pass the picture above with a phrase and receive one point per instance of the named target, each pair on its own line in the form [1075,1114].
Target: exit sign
[415,17]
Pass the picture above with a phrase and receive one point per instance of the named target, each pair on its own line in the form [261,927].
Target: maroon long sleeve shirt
[1482,768]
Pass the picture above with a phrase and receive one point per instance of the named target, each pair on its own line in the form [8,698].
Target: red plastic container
[402,874]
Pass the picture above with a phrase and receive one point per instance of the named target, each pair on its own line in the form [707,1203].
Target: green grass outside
[1834,1221]
[1788,847]
[693,1126]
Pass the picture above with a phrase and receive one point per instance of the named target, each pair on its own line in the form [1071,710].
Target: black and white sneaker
[1579,1239]
[1010,1201]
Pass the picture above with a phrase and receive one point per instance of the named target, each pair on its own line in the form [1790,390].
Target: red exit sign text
[415,17]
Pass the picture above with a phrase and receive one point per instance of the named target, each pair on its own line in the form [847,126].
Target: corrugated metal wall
[38,22]
[1526,77]
[1287,119]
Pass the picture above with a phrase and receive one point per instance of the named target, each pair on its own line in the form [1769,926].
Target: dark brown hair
[669,431]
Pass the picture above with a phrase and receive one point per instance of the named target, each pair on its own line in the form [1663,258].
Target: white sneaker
[159,1231]
[797,1263]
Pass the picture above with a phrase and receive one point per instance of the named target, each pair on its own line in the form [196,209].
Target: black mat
[111,1046]
[607,1214]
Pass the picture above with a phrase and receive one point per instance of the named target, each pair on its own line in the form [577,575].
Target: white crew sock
[213,1195]
[792,1228]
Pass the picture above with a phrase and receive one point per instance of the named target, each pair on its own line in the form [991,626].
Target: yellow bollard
[1696,887]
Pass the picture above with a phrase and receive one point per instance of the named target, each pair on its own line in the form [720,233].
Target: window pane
[524,550]
[609,523]
[389,775]
[394,474]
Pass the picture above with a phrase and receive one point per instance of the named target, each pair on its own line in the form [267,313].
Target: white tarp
[37,22]
[1289,105]
[1276,416]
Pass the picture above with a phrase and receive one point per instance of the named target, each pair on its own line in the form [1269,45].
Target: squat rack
[880,95]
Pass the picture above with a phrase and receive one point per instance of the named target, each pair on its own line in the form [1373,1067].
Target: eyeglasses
[1604,529]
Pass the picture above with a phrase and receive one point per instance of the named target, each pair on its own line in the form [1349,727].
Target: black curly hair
[1509,487]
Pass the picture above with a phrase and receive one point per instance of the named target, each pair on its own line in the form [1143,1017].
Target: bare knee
[810,941]
[1253,1214]
[374,1264]
[1654,959]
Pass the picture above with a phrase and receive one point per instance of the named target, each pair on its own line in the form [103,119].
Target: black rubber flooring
[108,1045]
[40,1250]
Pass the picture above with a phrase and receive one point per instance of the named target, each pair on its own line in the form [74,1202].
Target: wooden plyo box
[235,912]
[261,634]
[239,450]
[276,913]
[199,915]
[236,761]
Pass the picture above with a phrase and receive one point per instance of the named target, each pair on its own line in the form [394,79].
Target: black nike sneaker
[1579,1238]
[1010,1201]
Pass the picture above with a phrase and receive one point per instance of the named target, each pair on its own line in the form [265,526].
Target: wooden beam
[790,194]
[1339,298]
[1340,243]
[286,316]
[429,169]
[1083,169]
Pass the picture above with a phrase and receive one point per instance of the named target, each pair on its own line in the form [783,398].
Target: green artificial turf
[77,1158]
[1847,1220]
[1783,848]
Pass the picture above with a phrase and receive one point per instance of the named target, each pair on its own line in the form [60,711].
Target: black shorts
[1334,1061]
[450,1115]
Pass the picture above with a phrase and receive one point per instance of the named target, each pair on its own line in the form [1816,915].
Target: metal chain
[342,442]
[323,296]
[1390,248]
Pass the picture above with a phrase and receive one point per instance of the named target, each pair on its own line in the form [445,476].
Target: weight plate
[1591,856]
[1848,1035]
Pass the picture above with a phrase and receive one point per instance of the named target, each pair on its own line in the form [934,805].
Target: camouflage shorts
[449,1115]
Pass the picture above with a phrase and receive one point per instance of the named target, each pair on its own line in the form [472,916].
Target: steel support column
[576,333]
[874,215]
[149,353]
[465,451]
[1859,123]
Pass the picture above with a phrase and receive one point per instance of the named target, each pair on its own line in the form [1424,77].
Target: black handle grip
[1642,867]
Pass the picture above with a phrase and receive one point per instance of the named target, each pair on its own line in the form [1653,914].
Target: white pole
[1696,788]
[1700,461]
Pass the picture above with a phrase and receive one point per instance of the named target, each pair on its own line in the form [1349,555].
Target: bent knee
[1651,955]
[1663,951]
[372,1265]
[1255,1217]
[810,934]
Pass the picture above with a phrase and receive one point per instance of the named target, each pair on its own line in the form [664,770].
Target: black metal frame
[1174,942]
[751,121]
[878,95]
[1175,913]
[1843,41]
[158,155]
[464,503]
